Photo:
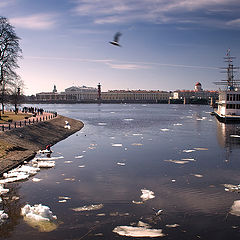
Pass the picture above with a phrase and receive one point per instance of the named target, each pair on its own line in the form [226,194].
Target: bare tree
[10,51]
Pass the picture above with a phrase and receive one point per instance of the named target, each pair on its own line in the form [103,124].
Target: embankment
[23,143]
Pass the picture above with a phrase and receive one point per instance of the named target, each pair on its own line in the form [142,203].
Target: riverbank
[21,144]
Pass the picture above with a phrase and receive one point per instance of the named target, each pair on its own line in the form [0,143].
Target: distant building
[84,93]
[136,95]
[197,93]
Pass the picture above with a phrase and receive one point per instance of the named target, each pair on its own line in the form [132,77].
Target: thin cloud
[158,11]
[35,22]
[235,22]
[120,65]
[6,3]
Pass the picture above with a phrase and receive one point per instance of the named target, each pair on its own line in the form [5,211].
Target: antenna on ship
[230,83]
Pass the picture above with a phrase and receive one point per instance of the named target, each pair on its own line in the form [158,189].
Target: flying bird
[116,39]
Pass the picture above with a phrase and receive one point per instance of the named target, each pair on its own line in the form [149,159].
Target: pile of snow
[88,208]
[38,212]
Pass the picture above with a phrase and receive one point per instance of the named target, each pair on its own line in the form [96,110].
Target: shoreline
[24,142]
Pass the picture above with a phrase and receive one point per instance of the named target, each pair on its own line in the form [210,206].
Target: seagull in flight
[116,39]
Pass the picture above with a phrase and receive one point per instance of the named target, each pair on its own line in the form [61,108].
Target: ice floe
[38,212]
[45,164]
[121,163]
[201,149]
[36,179]
[172,225]
[147,194]
[44,151]
[164,129]
[20,173]
[102,124]
[47,158]
[188,159]
[81,156]
[136,144]
[88,208]
[235,209]
[177,161]
[81,166]
[131,231]
[177,124]
[235,136]
[137,134]
[116,144]
[40,217]
[128,119]
[197,175]
[189,150]
[68,161]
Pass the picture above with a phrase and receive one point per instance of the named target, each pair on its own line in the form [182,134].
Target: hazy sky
[166,44]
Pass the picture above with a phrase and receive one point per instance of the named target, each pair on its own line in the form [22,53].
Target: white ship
[229,96]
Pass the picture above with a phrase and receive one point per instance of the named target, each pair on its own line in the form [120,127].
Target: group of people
[32,110]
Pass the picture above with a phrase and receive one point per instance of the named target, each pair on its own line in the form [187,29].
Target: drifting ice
[138,231]
[88,208]
[38,212]
[46,164]
[147,194]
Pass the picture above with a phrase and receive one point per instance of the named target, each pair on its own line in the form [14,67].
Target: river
[129,161]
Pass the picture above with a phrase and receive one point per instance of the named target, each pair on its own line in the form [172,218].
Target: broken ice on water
[36,179]
[47,158]
[80,156]
[68,161]
[88,208]
[235,136]
[38,212]
[172,225]
[81,166]
[128,119]
[20,173]
[200,149]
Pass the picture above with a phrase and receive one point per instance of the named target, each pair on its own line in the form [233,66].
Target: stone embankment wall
[26,141]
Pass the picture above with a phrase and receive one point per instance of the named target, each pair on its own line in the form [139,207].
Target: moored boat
[228,104]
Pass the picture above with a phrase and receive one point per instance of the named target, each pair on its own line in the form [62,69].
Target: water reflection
[11,205]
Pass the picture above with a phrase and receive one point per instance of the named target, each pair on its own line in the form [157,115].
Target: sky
[165,44]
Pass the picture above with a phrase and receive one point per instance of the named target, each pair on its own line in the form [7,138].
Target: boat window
[227,97]
[234,97]
[230,97]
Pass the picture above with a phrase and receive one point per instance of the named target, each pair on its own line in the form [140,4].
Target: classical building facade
[78,94]
[197,93]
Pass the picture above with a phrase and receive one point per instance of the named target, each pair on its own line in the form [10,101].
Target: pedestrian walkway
[32,119]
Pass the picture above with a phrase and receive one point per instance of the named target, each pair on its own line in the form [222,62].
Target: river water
[180,153]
